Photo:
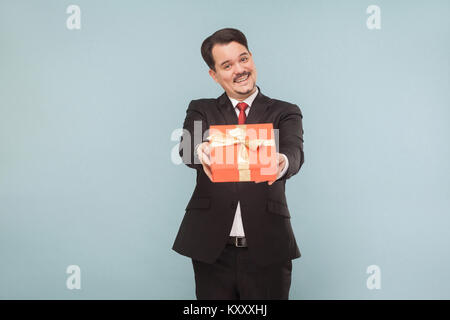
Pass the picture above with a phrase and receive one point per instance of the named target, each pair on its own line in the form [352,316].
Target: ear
[212,74]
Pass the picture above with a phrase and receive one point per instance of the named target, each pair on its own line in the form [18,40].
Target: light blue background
[86,118]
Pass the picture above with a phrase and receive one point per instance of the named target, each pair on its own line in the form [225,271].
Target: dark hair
[222,36]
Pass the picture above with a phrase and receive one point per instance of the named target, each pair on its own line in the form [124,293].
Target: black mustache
[241,75]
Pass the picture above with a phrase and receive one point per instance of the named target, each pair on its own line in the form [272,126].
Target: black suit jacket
[265,215]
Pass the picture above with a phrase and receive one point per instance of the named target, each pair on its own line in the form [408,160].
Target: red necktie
[242,106]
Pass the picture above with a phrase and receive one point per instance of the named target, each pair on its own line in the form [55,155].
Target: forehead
[229,51]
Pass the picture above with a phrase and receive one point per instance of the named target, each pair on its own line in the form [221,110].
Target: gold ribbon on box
[237,136]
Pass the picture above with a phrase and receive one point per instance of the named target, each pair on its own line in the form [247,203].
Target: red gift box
[243,153]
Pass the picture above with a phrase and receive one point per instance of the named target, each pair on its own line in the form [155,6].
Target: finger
[207,149]
[204,147]
[208,172]
[205,159]
[202,156]
[199,150]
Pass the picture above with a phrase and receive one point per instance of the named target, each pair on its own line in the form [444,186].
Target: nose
[238,70]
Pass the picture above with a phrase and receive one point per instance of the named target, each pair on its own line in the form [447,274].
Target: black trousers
[234,277]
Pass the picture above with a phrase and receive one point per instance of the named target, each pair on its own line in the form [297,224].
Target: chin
[245,90]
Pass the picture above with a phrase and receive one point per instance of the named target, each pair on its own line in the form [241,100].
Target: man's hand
[203,151]
[281,162]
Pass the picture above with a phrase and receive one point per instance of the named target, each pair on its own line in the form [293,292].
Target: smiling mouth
[242,79]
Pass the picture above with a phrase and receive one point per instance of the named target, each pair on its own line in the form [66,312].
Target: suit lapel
[257,109]
[227,110]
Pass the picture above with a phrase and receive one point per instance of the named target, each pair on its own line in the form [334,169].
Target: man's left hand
[281,162]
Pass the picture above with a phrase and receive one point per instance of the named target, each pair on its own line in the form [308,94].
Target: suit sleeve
[291,139]
[194,128]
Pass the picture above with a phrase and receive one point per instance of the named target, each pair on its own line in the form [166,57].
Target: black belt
[239,242]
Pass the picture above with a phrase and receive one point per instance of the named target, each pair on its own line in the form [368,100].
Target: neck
[242,97]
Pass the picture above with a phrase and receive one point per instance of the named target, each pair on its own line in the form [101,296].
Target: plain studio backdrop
[89,119]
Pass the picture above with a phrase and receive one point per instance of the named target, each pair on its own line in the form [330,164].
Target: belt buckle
[236,242]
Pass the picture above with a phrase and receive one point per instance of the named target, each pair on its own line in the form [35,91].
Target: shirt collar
[249,100]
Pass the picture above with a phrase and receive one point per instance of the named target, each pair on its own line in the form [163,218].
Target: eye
[227,66]
[244,59]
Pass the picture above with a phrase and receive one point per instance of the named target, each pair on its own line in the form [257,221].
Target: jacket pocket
[278,208]
[199,203]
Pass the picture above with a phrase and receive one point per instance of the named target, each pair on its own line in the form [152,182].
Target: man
[239,234]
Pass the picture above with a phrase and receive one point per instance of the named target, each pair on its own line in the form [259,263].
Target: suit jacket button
[233,204]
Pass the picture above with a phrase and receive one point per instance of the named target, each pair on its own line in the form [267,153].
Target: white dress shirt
[237,229]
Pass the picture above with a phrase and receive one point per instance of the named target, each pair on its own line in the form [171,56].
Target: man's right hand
[203,152]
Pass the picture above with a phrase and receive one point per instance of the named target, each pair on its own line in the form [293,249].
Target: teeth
[242,78]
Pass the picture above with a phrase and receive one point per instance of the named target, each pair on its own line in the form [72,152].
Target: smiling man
[238,234]
[238,82]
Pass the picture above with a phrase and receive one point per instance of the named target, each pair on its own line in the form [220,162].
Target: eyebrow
[226,61]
